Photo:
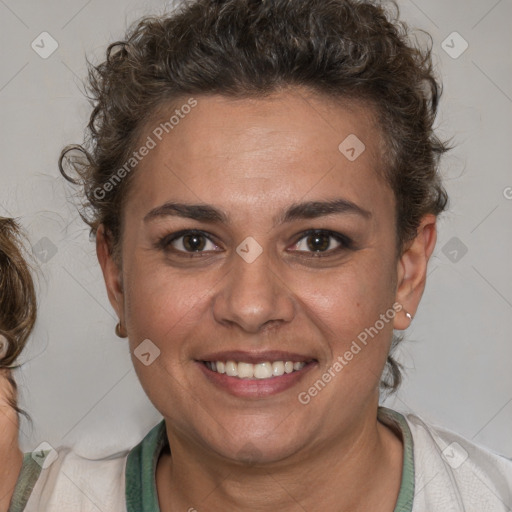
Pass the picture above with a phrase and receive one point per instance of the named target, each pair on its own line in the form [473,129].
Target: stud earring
[120,332]
[408,315]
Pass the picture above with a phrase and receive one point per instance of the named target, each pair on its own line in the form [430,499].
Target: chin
[254,453]
[249,448]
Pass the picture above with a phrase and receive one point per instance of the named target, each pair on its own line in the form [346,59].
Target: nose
[253,296]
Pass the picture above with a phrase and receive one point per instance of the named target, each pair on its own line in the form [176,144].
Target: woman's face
[251,178]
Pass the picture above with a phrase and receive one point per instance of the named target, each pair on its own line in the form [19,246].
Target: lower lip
[256,388]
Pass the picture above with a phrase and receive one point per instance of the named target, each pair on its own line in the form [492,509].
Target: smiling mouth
[263,370]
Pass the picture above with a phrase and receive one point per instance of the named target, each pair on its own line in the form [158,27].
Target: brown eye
[318,242]
[321,241]
[187,242]
[194,242]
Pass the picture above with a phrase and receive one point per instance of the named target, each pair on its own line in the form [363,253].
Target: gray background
[77,380]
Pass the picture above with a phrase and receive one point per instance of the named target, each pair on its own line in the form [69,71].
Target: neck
[359,470]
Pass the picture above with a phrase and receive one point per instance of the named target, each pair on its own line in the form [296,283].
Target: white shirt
[442,472]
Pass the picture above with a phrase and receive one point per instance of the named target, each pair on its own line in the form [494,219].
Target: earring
[120,332]
[408,315]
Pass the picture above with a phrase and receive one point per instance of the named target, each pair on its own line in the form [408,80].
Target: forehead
[288,146]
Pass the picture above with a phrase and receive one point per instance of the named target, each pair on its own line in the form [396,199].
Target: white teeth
[278,368]
[231,369]
[263,370]
[245,370]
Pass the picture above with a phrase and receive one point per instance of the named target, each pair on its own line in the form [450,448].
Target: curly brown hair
[18,306]
[343,49]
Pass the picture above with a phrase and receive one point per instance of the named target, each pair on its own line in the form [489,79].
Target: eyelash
[345,242]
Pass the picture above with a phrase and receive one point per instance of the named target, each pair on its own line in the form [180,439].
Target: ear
[111,271]
[412,270]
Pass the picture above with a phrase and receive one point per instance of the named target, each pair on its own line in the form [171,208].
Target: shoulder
[62,479]
[452,473]
[56,480]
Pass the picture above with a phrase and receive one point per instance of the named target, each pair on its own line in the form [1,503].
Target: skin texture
[11,456]
[252,159]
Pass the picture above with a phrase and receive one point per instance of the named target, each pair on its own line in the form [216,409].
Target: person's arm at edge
[11,457]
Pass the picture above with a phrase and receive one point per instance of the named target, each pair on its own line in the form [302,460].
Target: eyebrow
[305,210]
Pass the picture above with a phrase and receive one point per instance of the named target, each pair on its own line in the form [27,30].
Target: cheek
[349,299]
[164,309]
[161,302]
[353,310]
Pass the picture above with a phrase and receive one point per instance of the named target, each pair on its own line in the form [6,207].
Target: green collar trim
[406,495]
[30,471]
[141,492]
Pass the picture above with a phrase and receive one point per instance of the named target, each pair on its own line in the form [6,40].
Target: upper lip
[256,357]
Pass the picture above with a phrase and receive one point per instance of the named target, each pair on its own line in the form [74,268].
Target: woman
[261,178]
[17,318]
